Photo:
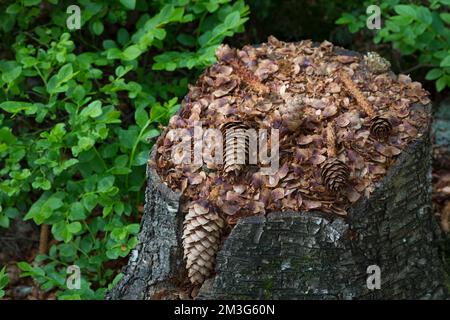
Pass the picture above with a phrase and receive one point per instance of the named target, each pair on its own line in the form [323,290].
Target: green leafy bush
[3,281]
[418,30]
[78,111]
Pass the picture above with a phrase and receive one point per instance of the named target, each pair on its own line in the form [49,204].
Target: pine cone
[376,63]
[380,128]
[335,174]
[293,112]
[236,145]
[201,237]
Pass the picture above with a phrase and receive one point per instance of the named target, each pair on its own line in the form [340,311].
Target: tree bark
[304,255]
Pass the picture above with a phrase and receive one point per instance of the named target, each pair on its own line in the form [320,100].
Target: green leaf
[115,281]
[7,136]
[89,201]
[29,3]
[54,203]
[12,213]
[41,183]
[141,158]
[4,280]
[4,221]
[93,110]
[119,234]
[45,207]
[67,250]
[186,39]
[13,8]
[85,143]
[433,74]
[12,74]
[17,106]
[77,212]
[149,135]
[129,4]
[121,70]
[24,266]
[55,84]
[65,73]
[405,10]
[105,183]
[445,16]
[21,175]
[74,227]
[128,137]
[157,112]
[61,232]
[131,53]
[123,36]
[133,228]
[141,117]
[232,20]
[424,15]
[97,27]
[446,62]
[441,83]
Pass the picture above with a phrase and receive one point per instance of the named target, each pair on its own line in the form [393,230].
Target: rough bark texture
[298,255]
[156,264]
[306,256]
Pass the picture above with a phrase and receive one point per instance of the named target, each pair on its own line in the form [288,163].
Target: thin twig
[43,239]
[417,67]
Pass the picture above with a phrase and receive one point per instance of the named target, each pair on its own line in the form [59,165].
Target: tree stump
[303,255]
[295,255]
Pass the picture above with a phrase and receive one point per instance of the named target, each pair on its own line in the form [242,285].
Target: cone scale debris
[335,114]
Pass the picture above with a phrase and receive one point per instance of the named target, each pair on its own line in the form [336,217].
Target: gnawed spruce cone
[335,174]
[380,128]
[201,237]
[235,146]
[376,63]
[293,112]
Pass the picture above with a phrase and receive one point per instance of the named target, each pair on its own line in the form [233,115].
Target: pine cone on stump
[380,128]
[236,146]
[293,112]
[202,229]
[335,174]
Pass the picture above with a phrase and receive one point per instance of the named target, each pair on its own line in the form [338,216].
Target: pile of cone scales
[341,123]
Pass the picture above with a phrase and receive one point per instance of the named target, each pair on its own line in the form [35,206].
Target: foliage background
[79,109]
